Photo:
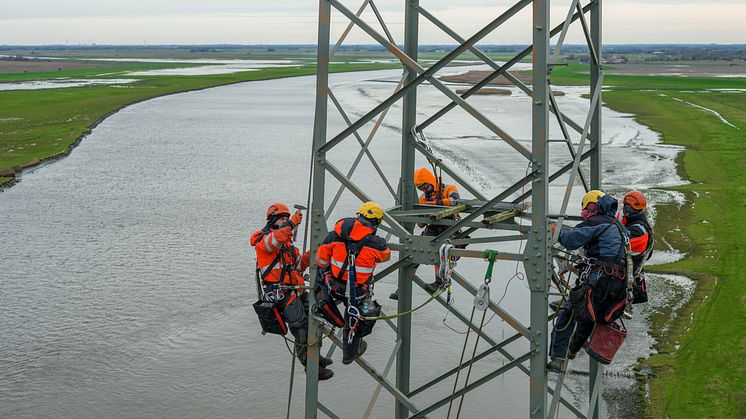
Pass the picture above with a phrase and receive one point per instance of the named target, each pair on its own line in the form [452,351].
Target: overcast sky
[294,21]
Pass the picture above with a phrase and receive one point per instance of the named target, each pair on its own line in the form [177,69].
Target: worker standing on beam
[280,266]
[600,294]
[434,192]
[348,256]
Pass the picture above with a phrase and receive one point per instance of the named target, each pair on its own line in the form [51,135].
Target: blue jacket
[598,235]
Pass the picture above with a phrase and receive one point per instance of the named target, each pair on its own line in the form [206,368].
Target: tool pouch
[326,306]
[270,317]
[605,342]
[367,309]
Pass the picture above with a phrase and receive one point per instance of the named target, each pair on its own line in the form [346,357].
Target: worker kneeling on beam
[279,265]
[347,258]
[434,192]
[600,293]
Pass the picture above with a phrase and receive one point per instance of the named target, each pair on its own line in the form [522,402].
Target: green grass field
[706,376]
[41,124]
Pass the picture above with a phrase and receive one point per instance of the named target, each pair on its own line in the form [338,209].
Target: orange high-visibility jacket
[372,249]
[448,193]
[273,242]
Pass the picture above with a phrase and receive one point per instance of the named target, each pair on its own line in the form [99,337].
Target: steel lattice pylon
[497,211]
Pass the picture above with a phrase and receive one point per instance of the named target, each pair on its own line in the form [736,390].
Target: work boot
[394,295]
[324,361]
[325,374]
[362,346]
[431,288]
[556,364]
[571,355]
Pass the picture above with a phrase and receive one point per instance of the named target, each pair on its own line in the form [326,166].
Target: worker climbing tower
[498,212]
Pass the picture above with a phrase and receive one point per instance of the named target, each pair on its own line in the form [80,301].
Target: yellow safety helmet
[591,196]
[371,209]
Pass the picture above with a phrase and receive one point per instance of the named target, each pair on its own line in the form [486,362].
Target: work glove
[305,260]
[295,219]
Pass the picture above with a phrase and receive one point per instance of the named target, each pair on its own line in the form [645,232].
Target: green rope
[397,315]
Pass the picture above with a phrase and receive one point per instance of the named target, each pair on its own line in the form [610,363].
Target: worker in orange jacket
[433,193]
[641,240]
[352,251]
[280,266]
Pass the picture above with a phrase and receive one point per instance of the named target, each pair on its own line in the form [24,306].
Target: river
[127,276]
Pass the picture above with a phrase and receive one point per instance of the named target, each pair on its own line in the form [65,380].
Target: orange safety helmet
[636,200]
[276,209]
[422,176]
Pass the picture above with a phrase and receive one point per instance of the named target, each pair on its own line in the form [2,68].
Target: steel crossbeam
[425,75]
[517,58]
[414,249]
[490,340]
[359,157]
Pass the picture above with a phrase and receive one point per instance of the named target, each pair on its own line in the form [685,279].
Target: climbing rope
[294,356]
[481,302]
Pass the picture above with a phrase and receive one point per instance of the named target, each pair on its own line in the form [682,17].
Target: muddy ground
[475,76]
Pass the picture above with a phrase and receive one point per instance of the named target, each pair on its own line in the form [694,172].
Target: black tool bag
[270,317]
[326,306]
[367,309]
[580,303]
[608,298]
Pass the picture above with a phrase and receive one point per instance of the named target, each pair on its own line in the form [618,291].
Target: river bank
[699,370]
[38,126]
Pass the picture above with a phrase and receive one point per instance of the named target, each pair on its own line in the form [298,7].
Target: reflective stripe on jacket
[271,242]
[352,232]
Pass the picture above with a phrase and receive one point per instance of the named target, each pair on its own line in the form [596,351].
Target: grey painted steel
[492,341]
[502,370]
[465,184]
[411,63]
[425,75]
[360,155]
[518,57]
[596,162]
[386,370]
[316,219]
[454,370]
[363,144]
[507,317]
[538,265]
[596,74]
[596,376]
[327,411]
[595,100]
[537,255]
[406,200]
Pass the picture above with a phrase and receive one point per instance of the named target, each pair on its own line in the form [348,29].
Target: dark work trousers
[295,314]
[566,323]
[564,326]
[350,348]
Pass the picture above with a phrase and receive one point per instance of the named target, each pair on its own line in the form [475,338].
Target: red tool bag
[605,341]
